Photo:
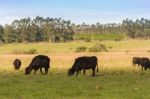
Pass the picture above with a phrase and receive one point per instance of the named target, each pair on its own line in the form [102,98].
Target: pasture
[117,78]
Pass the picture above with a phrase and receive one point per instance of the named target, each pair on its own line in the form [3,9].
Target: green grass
[112,84]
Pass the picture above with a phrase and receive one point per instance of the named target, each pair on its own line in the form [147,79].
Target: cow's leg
[84,72]
[142,68]
[145,68]
[35,71]
[41,70]
[93,69]
[46,71]
[77,73]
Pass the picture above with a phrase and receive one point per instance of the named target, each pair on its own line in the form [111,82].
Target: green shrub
[98,48]
[81,49]
[110,47]
[31,51]
[118,39]
[87,40]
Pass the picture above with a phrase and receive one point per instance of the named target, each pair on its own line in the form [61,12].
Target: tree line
[134,29]
[38,29]
[41,29]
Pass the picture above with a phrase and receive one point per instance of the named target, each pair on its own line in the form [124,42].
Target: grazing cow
[38,62]
[136,60]
[84,63]
[17,64]
[145,63]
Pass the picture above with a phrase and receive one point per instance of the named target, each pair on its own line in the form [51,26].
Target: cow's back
[145,61]
[87,62]
[40,60]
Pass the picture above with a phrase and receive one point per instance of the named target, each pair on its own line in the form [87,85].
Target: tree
[1,33]
[9,34]
[48,31]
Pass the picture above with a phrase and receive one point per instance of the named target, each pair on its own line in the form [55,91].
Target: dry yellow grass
[60,61]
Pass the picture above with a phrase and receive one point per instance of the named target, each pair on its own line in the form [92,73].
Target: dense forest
[41,29]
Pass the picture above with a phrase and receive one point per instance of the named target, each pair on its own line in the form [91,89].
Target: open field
[45,48]
[117,78]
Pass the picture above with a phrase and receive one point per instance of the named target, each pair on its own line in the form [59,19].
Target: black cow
[145,63]
[136,60]
[17,64]
[84,63]
[38,62]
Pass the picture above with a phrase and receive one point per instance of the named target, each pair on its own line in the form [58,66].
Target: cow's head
[17,64]
[27,70]
[135,61]
[71,72]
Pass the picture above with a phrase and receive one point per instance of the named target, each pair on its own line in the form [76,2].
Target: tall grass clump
[81,49]
[31,51]
[98,47]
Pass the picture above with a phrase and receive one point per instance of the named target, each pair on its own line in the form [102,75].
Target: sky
[78,11]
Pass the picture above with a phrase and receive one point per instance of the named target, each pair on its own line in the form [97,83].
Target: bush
[98,48]
[81,49]
[31,51]
[118,39]
[110,47]
[87,40]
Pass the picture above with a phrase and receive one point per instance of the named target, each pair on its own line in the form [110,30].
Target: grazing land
[117,78]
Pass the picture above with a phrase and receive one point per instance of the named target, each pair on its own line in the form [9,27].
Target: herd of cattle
[144,62]
[81,63]
[41,61]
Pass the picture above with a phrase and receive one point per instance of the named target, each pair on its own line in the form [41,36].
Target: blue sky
[78,11]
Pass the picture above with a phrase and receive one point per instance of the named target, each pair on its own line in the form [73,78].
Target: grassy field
[117,78]
[45,48]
